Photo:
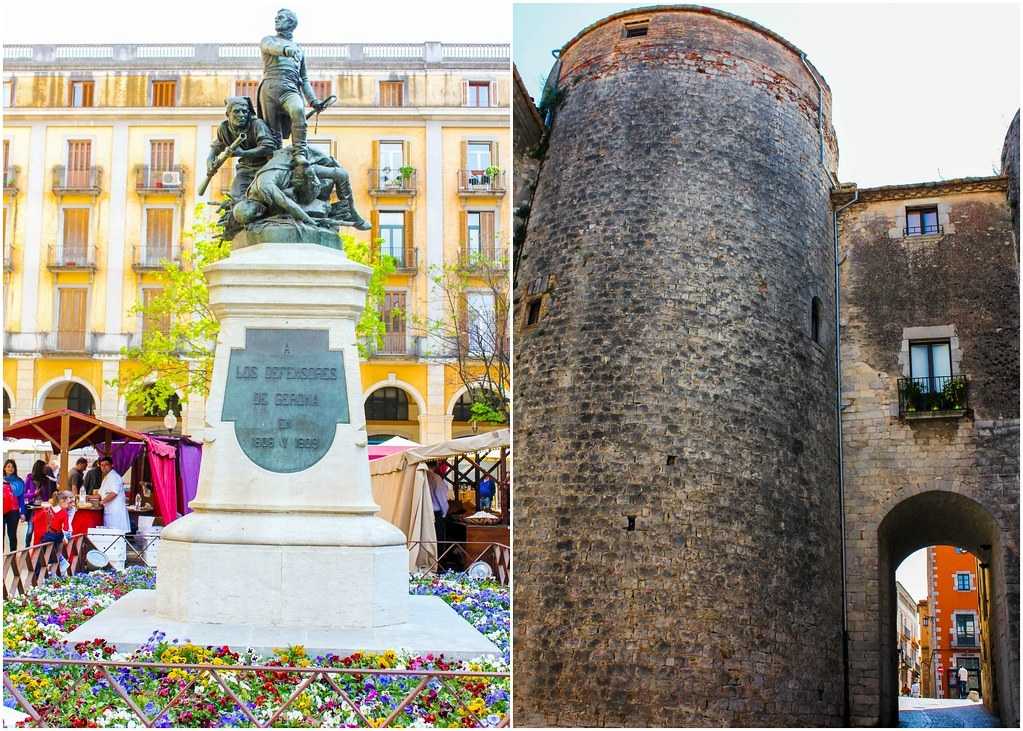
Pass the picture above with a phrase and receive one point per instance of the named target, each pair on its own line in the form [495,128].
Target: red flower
[88,612]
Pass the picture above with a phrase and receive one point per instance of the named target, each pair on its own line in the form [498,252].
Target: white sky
[920,91]
[912,574]
[207,21]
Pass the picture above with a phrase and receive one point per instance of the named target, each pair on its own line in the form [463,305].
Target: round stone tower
[677,528]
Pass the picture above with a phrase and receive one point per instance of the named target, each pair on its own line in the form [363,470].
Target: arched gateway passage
[949,518]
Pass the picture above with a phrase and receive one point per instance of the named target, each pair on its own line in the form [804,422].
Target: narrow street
[944,713]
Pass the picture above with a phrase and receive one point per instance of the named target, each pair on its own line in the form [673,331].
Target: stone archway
[938,517]
[55,394]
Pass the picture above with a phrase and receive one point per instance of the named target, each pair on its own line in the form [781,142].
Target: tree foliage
[176,352]
[471,336]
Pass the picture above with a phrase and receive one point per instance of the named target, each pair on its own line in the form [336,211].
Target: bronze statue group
[273,183]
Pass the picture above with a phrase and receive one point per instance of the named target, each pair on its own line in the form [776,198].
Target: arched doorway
[944,518]
[391,412]
[71,395]
[462,418]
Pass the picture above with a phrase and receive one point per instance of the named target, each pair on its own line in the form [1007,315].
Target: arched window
[815,319]
[463,407]
[79,399]
[387,404]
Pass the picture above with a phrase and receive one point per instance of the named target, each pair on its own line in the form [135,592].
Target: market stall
[400,488]
[66,430]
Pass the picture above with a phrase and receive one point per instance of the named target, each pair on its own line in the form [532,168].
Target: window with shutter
[71,318]
[391,94]
[392,231]
[246,87]
[81,93]
[79,159]
[394,316]
[159,235]
[321,88]
[165,93]
[161,155]
[478,94]
[152,323]
[387,404]
[75,241]
[487,235]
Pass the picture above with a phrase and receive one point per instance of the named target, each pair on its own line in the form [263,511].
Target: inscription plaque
[286,391]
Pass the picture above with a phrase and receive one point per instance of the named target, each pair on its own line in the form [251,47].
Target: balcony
[63,258]
[485,258]
[394,182]
[87,181]
[935,397]
[169,181]
[11,173]
[68,341]
[965,641]
[404,262]
[396,345]
[481,182]
[153,258]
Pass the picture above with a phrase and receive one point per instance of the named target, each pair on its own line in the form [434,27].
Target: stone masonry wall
[965,279]
[677,516]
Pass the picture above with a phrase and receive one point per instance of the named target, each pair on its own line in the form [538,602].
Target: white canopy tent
[400,489]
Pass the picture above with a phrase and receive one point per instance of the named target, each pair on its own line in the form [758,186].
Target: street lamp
[170,421]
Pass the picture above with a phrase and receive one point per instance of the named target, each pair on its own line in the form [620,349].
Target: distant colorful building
[909,639]
[954,607]
[924,622]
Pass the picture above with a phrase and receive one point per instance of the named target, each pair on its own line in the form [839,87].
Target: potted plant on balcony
[911,393]
[492,172]
[954,394]
[406,172]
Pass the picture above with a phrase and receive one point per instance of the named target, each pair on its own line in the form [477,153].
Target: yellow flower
[477,706]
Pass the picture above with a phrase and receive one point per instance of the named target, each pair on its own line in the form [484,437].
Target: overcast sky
[920,91]
[191,21]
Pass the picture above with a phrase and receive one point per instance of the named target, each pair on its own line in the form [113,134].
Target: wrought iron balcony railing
[87,180]
[483,257]
[481,182]
[65,257]
[11,178]
[400,344]
[930,229]
[160,180]
[404,261]
[933,396]
[392,181]
[153,257]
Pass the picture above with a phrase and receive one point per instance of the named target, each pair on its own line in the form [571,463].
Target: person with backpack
[486,492]
[14,502]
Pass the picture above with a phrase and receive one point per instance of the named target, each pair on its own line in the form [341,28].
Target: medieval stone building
[688,550]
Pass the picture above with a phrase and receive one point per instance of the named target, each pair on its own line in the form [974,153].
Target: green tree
[177,355]
[471,336]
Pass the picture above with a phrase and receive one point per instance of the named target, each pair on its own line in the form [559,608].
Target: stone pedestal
[283,540]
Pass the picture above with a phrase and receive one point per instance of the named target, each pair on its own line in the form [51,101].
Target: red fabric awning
[66,430]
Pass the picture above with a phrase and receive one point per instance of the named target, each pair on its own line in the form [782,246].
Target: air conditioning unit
[170,179]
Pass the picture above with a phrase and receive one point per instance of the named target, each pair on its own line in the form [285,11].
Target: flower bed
[34,623]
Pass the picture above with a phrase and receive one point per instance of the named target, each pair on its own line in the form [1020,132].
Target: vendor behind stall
[115,506]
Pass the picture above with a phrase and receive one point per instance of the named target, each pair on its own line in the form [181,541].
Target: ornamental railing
[481,182]
[345,687]
[70,257]
[11,178]
[933,396]
[77,180]
[29,567]
[392,181]
[154,256]
[930,229]
[170,179]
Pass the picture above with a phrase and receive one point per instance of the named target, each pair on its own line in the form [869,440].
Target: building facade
[751,374]
[924,624]
[954,602]
[930,418]
[909,639]
[105,147]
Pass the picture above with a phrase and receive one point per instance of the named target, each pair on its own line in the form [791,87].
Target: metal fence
[302,678]
[933,395]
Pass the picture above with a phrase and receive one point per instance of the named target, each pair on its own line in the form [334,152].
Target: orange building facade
[953,607]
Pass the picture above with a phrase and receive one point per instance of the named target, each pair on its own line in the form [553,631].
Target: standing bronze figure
[285,87]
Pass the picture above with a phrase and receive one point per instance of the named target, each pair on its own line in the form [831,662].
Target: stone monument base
[433,628]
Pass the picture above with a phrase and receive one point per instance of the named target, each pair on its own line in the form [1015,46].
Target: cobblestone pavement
[944,713]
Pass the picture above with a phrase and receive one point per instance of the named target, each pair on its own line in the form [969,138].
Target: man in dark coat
[285,82]
[253,153]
